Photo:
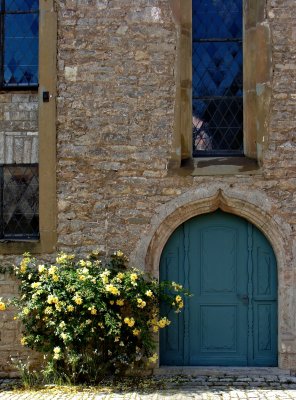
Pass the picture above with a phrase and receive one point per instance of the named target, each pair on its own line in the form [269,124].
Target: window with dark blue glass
[217,77]
[19,43]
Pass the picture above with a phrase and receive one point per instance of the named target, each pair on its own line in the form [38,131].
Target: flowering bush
[91,317]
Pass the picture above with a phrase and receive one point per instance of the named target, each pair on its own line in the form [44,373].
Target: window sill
[33,246]
[221,166]
[19,247]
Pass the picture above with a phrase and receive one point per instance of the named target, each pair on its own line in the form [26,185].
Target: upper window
[19,44]
[217,77]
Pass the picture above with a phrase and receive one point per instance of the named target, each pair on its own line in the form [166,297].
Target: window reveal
[217,77]
[19,43]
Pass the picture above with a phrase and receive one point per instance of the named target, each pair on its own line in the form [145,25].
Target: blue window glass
[217,78]
[19,43]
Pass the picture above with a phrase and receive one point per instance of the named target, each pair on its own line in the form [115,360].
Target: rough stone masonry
[115,123]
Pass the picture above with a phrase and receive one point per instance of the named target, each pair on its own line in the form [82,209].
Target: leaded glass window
[19,43]
[217,77]
[19,214]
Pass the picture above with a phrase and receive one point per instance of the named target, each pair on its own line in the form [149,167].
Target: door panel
[173,339]
[264,301]
[229,267]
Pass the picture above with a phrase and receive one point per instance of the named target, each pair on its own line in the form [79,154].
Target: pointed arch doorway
[230,268]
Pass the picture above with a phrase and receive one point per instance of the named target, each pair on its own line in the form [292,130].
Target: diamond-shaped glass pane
[217,69]
[20,218]
[21,26]
[217,125]
[21,5]
[217,19]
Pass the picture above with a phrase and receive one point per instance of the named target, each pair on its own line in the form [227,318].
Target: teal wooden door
[230,268]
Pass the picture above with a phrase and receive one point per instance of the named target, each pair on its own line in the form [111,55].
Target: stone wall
[115,122]
[116,83]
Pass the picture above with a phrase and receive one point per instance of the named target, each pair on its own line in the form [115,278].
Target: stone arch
[253,206]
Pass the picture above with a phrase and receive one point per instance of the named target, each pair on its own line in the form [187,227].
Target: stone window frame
[47,138]
[257,71]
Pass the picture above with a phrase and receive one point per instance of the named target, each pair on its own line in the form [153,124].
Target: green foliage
[92,317]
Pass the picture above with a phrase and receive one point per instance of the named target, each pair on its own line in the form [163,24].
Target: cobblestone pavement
[177,387]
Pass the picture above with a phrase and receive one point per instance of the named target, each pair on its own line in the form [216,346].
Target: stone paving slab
[174,388]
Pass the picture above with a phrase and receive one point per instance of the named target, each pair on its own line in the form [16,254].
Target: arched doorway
[230,268]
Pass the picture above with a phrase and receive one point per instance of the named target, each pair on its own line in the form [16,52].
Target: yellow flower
[23,341]
[129,321]
[104,275]
[141,303]
[57,353]
[58,307]
[120,275]
[48,310]
[62,325]
[77,299]
[62,258]
[153,358]
[101,325]
[26,311]
[119,253]
[64,336]
[134,277]
[181,304]
[2,306]
[88,321]
[55,278]
[52,299]
[92,310]
[164,322]
[112,289]
[176,286]
[149,293]
[70,308]
[155,328]
[136,332]
[82,263]
[178,299]
[23,265]
[41,268]
[120,302]
[82,277]
[52,270]
[35,285]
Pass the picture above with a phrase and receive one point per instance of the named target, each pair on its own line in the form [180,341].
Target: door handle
[244,298]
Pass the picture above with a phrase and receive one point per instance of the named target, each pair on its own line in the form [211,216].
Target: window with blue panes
[19,43]
[217,77]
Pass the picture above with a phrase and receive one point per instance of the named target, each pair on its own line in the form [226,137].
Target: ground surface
[175,387]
